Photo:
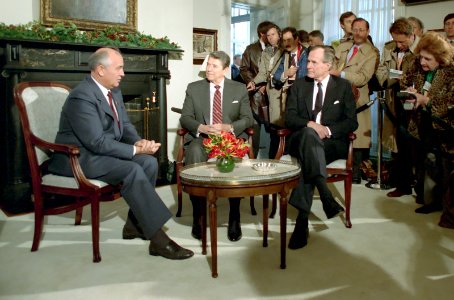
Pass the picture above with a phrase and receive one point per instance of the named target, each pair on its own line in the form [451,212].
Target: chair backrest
[39,105]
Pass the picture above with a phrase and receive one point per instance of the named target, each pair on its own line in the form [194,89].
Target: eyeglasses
[359,30]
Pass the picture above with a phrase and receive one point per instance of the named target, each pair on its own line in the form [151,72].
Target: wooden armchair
[338,170]
[40,105]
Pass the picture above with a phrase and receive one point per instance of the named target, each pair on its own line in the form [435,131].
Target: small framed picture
[204,41]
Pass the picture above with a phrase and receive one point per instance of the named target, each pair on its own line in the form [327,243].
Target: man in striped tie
[213,105]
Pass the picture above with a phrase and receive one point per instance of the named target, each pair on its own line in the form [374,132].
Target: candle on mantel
[153,99]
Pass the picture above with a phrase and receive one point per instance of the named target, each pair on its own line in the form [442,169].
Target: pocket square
[337,101]
[235,101]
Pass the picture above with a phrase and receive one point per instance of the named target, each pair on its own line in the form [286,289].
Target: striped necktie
[217,107]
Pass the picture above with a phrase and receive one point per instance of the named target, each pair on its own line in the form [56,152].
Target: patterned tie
[109,95]
[217,107]
[292,60]
[355,50]
[318,102]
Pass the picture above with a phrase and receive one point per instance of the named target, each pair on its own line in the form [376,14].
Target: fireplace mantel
[26,60]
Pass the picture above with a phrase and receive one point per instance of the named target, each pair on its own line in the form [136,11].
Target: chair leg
[348,197]
[180,201]
[265,220]
[95,229]
[180,193]
[39,218]
[78,220]
[274,207]
[251,203]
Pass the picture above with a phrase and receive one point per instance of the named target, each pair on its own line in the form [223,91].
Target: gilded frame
[123,13]
[204,41]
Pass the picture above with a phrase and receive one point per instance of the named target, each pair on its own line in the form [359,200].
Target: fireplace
[143,88]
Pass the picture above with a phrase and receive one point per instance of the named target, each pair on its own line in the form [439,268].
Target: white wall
[431,14]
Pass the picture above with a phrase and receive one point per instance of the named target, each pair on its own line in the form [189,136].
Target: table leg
[266,199]
[283,216]
[213,232]
[203,214]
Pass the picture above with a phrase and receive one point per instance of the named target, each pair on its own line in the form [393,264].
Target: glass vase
[225,164]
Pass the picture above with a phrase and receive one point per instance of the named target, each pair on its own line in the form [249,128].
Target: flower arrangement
[225,145]
[68,32]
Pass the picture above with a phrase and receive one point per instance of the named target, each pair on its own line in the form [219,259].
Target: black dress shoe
[170,250]
[298,239]
[132,231]
[398,193]
[196,231]
[429,208]
[234,231]
[332,208]
[356,180]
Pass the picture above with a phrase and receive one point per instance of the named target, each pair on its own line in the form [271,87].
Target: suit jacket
[235,72]
[359,70]
[88,122]
[338,111]
[235,107]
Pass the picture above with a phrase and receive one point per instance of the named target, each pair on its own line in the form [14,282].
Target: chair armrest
[181,132]
[250,132]
[63,148]
[281,133]
[176,109]
[73,152]
[349,163]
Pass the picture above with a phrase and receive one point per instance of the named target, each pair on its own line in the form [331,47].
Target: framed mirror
[91,14]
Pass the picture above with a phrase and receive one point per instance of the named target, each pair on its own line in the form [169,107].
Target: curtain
[379,14]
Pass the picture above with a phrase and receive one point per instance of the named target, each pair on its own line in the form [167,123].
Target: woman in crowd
[430,79]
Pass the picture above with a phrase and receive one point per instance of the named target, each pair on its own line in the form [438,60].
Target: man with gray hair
[320,113]
[94,118]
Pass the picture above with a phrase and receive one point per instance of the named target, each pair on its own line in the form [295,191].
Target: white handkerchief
[235,101]
[337,101]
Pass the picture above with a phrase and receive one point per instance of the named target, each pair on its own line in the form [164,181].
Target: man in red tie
[213,105]
[358,67]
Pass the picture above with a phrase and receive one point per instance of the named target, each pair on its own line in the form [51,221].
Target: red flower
[225,145]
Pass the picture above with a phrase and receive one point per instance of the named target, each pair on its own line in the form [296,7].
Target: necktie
[292,60]
[217,108]
[318,102]
[355,50]
[109,95]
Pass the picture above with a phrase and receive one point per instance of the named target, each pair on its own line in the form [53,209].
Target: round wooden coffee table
[204,180]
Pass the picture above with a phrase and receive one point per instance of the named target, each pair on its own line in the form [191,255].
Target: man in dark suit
[94,118]
[320,113]
[199,116]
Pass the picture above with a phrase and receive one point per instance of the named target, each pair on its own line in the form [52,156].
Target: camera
[405,95]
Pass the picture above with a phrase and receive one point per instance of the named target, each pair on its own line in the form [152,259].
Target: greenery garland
[68,32]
